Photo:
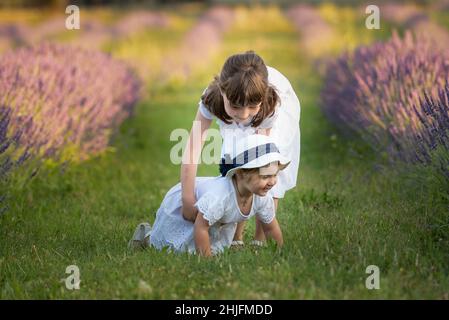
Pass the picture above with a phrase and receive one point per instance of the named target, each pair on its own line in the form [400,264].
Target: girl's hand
[189,211]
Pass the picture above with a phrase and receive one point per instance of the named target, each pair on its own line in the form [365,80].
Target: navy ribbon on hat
[243,158]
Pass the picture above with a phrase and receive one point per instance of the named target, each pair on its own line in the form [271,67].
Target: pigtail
[213,101]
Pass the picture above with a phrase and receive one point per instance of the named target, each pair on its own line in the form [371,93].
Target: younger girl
[246,98]
[236,196]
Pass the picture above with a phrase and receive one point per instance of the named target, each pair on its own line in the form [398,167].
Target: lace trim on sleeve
[211,207]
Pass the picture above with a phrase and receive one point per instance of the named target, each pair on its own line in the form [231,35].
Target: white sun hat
[252,151]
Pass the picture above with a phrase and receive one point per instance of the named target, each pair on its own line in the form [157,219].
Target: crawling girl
[248,172]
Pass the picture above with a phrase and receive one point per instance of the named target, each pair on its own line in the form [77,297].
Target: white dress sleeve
[206,113]
[211,206]
[265,210]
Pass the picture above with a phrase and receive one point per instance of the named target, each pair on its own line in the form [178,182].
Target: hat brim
[261,162]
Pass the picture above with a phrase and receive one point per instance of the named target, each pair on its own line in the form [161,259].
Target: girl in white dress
[249,171]
[246,98]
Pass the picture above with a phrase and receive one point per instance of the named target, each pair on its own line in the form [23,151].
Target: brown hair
[244,80]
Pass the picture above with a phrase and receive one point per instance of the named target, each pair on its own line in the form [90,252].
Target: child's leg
[260,235]
[238,236]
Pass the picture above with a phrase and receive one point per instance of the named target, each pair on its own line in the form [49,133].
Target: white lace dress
[217,202]
[284,126]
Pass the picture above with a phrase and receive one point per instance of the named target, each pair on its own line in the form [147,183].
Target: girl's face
[262,180]
[240,114]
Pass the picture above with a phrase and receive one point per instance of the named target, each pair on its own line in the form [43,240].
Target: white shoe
[141,236]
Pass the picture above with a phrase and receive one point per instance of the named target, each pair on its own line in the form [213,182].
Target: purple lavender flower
[65,100]
[432,144]
[389,93]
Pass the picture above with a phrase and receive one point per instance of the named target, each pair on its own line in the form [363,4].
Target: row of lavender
[396,96]
[93,33]
[200,43]
[61,103]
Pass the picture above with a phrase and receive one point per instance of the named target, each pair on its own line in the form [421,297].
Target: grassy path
[342,217]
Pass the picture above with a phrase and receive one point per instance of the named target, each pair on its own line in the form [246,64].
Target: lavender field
[85,123]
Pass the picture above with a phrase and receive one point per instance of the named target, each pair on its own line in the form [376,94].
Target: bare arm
[190,164]
[273,230]
[201,235]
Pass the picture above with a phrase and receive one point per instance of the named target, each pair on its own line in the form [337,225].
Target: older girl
[246,98]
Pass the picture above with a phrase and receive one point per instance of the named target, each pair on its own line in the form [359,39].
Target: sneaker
[141,236]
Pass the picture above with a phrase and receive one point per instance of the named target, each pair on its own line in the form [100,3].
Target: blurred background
[166,42]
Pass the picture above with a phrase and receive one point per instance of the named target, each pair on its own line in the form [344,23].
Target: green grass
[344,215]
